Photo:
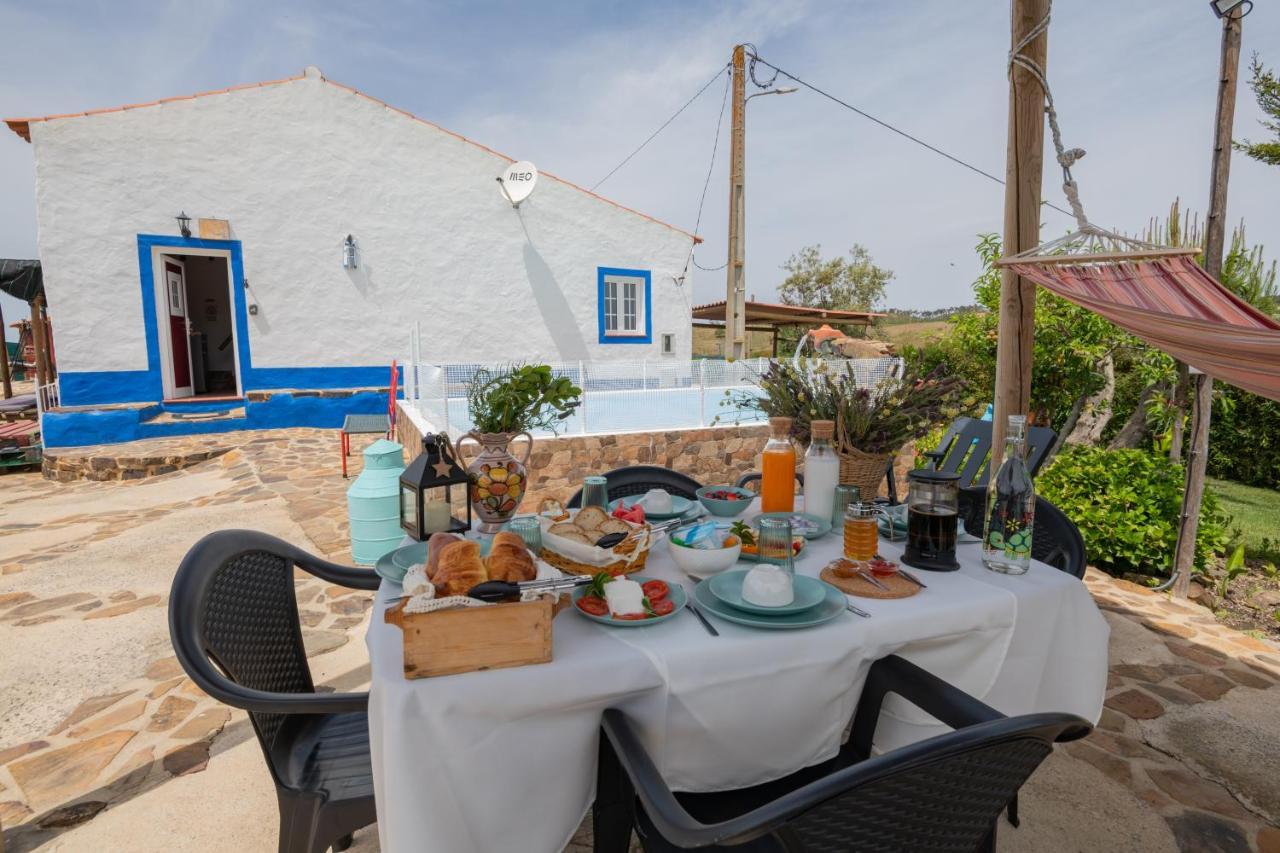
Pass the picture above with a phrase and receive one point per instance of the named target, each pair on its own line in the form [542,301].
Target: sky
[575,87]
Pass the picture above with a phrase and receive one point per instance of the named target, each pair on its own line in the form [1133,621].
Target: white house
[265,299]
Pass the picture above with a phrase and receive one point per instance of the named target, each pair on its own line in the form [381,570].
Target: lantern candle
[436,517]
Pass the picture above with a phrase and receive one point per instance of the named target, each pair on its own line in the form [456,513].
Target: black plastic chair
[965,449]
[941,795]
[638,479]
[1055,539]
[233,620]
[753,477]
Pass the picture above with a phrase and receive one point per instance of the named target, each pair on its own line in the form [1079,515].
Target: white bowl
[704,562]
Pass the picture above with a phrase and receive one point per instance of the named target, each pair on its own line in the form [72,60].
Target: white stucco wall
[297,166]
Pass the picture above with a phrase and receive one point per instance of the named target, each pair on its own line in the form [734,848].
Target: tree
[1266,88]
[852,284]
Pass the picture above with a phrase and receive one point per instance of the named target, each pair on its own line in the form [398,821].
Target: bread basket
[578,558]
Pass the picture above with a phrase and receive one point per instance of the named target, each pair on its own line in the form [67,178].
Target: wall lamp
[184,223]
[349,253]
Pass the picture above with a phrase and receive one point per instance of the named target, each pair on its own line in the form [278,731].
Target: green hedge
[1126,504]
[1244,438]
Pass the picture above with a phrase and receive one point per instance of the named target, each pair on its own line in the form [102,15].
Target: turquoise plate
[816,526]
[394,564]
[831,607]
[677,596]
[727,586]
[679,506]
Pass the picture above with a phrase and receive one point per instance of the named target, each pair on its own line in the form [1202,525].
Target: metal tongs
[609,540]
[502,590]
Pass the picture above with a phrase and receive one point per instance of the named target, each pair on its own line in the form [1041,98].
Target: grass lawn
[1255,511]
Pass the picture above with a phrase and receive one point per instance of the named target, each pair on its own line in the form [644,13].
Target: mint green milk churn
[373,503]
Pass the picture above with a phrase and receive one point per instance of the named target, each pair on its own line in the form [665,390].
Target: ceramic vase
[498,479]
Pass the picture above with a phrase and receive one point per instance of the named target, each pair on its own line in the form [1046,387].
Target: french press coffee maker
[933,508]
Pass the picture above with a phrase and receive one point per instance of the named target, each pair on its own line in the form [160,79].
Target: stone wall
[558,464]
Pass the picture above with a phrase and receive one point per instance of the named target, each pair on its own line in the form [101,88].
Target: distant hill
[915,315]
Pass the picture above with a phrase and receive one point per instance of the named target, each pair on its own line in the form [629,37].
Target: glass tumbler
[529,529]
[860,531]
[773,537]
[595,492]
[845,495]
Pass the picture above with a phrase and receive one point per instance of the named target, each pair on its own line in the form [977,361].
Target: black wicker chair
[638,479]
[1055,539]
[233,620]
[941,795]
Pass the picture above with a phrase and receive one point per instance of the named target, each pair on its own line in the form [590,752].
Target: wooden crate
[467,639]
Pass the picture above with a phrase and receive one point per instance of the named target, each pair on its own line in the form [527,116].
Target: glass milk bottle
[821,469]
[778,469]
[1011,507]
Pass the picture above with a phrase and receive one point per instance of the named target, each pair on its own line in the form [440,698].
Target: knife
[500,590]
[870,578]
[915,580]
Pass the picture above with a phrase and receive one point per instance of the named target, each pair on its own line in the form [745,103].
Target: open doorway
[196,325]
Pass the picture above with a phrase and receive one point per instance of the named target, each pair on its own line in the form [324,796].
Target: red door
[176,298]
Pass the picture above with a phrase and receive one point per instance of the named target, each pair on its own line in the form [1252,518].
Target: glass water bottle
[1011,507]
[821,469]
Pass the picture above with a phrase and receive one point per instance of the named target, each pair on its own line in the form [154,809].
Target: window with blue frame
[624,306]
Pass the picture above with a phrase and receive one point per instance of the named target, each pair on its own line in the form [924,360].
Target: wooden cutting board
[899,587]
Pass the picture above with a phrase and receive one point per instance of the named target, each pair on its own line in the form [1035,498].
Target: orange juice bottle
[778,469]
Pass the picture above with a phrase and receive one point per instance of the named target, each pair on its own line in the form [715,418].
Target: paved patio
[101,734]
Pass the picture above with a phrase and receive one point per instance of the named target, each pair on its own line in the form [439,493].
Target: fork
[857,611]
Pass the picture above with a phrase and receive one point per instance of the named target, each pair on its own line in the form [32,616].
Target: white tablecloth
[505,759]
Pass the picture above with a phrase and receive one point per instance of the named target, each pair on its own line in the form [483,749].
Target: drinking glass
[845,495]
[595,492]
[860,531]
[774,542]
[528,528]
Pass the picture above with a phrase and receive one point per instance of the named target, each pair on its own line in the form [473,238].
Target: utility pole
[1023,170]
[1215,238]
[735,309]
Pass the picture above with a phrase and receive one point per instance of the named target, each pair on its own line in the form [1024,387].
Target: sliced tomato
[631,617]
[655,591]
[662,608]
[593,604]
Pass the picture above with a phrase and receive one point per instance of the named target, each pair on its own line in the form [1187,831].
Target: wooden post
[38,341]
[4,362]
[1023,169]
[1214,241]
[735,313]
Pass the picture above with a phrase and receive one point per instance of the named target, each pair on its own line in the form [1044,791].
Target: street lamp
[1223,8]
[787,90]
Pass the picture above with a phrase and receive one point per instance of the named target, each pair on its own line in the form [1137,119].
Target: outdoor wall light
[184,223]
[1223,8]
[349,253]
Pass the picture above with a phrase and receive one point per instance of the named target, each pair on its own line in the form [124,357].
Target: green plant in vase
[505,404]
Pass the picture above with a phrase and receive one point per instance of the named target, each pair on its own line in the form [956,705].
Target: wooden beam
[1106,257]
[38,341]
[1023,168]
[4,362]
[1214,242]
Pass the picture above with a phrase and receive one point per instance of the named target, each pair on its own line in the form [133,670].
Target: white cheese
[624,597]
[768,586]
[415,581]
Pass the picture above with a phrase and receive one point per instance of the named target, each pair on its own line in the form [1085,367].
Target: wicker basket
[632,556]
[864,470]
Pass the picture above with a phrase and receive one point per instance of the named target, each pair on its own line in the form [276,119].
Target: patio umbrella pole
[1215,235]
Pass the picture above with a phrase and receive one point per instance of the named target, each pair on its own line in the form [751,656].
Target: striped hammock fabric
[1174,305]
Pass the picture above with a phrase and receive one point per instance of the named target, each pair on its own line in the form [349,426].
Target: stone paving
[1190,726]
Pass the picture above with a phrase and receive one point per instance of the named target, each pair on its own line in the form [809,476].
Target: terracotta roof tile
[22,127]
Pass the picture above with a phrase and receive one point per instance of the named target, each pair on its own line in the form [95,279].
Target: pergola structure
[772,316]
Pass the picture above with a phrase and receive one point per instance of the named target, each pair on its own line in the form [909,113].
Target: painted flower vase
[498,479]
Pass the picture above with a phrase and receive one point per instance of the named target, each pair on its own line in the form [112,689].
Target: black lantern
[427,491]
[184,223]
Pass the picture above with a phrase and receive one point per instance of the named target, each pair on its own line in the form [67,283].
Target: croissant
[509,559]
[435,545]
[459,568]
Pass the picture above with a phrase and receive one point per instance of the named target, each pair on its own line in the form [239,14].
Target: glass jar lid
[926,475]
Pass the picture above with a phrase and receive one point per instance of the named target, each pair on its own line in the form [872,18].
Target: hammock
[1157,293]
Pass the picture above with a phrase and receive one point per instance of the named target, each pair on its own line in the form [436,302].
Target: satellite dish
[517,181]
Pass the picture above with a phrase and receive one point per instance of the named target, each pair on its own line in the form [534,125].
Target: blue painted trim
[91,388]
[267,378]
[150,311]
[647,337]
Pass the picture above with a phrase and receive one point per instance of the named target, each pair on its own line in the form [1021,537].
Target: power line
[662,127]
[715,147]
[887,126]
